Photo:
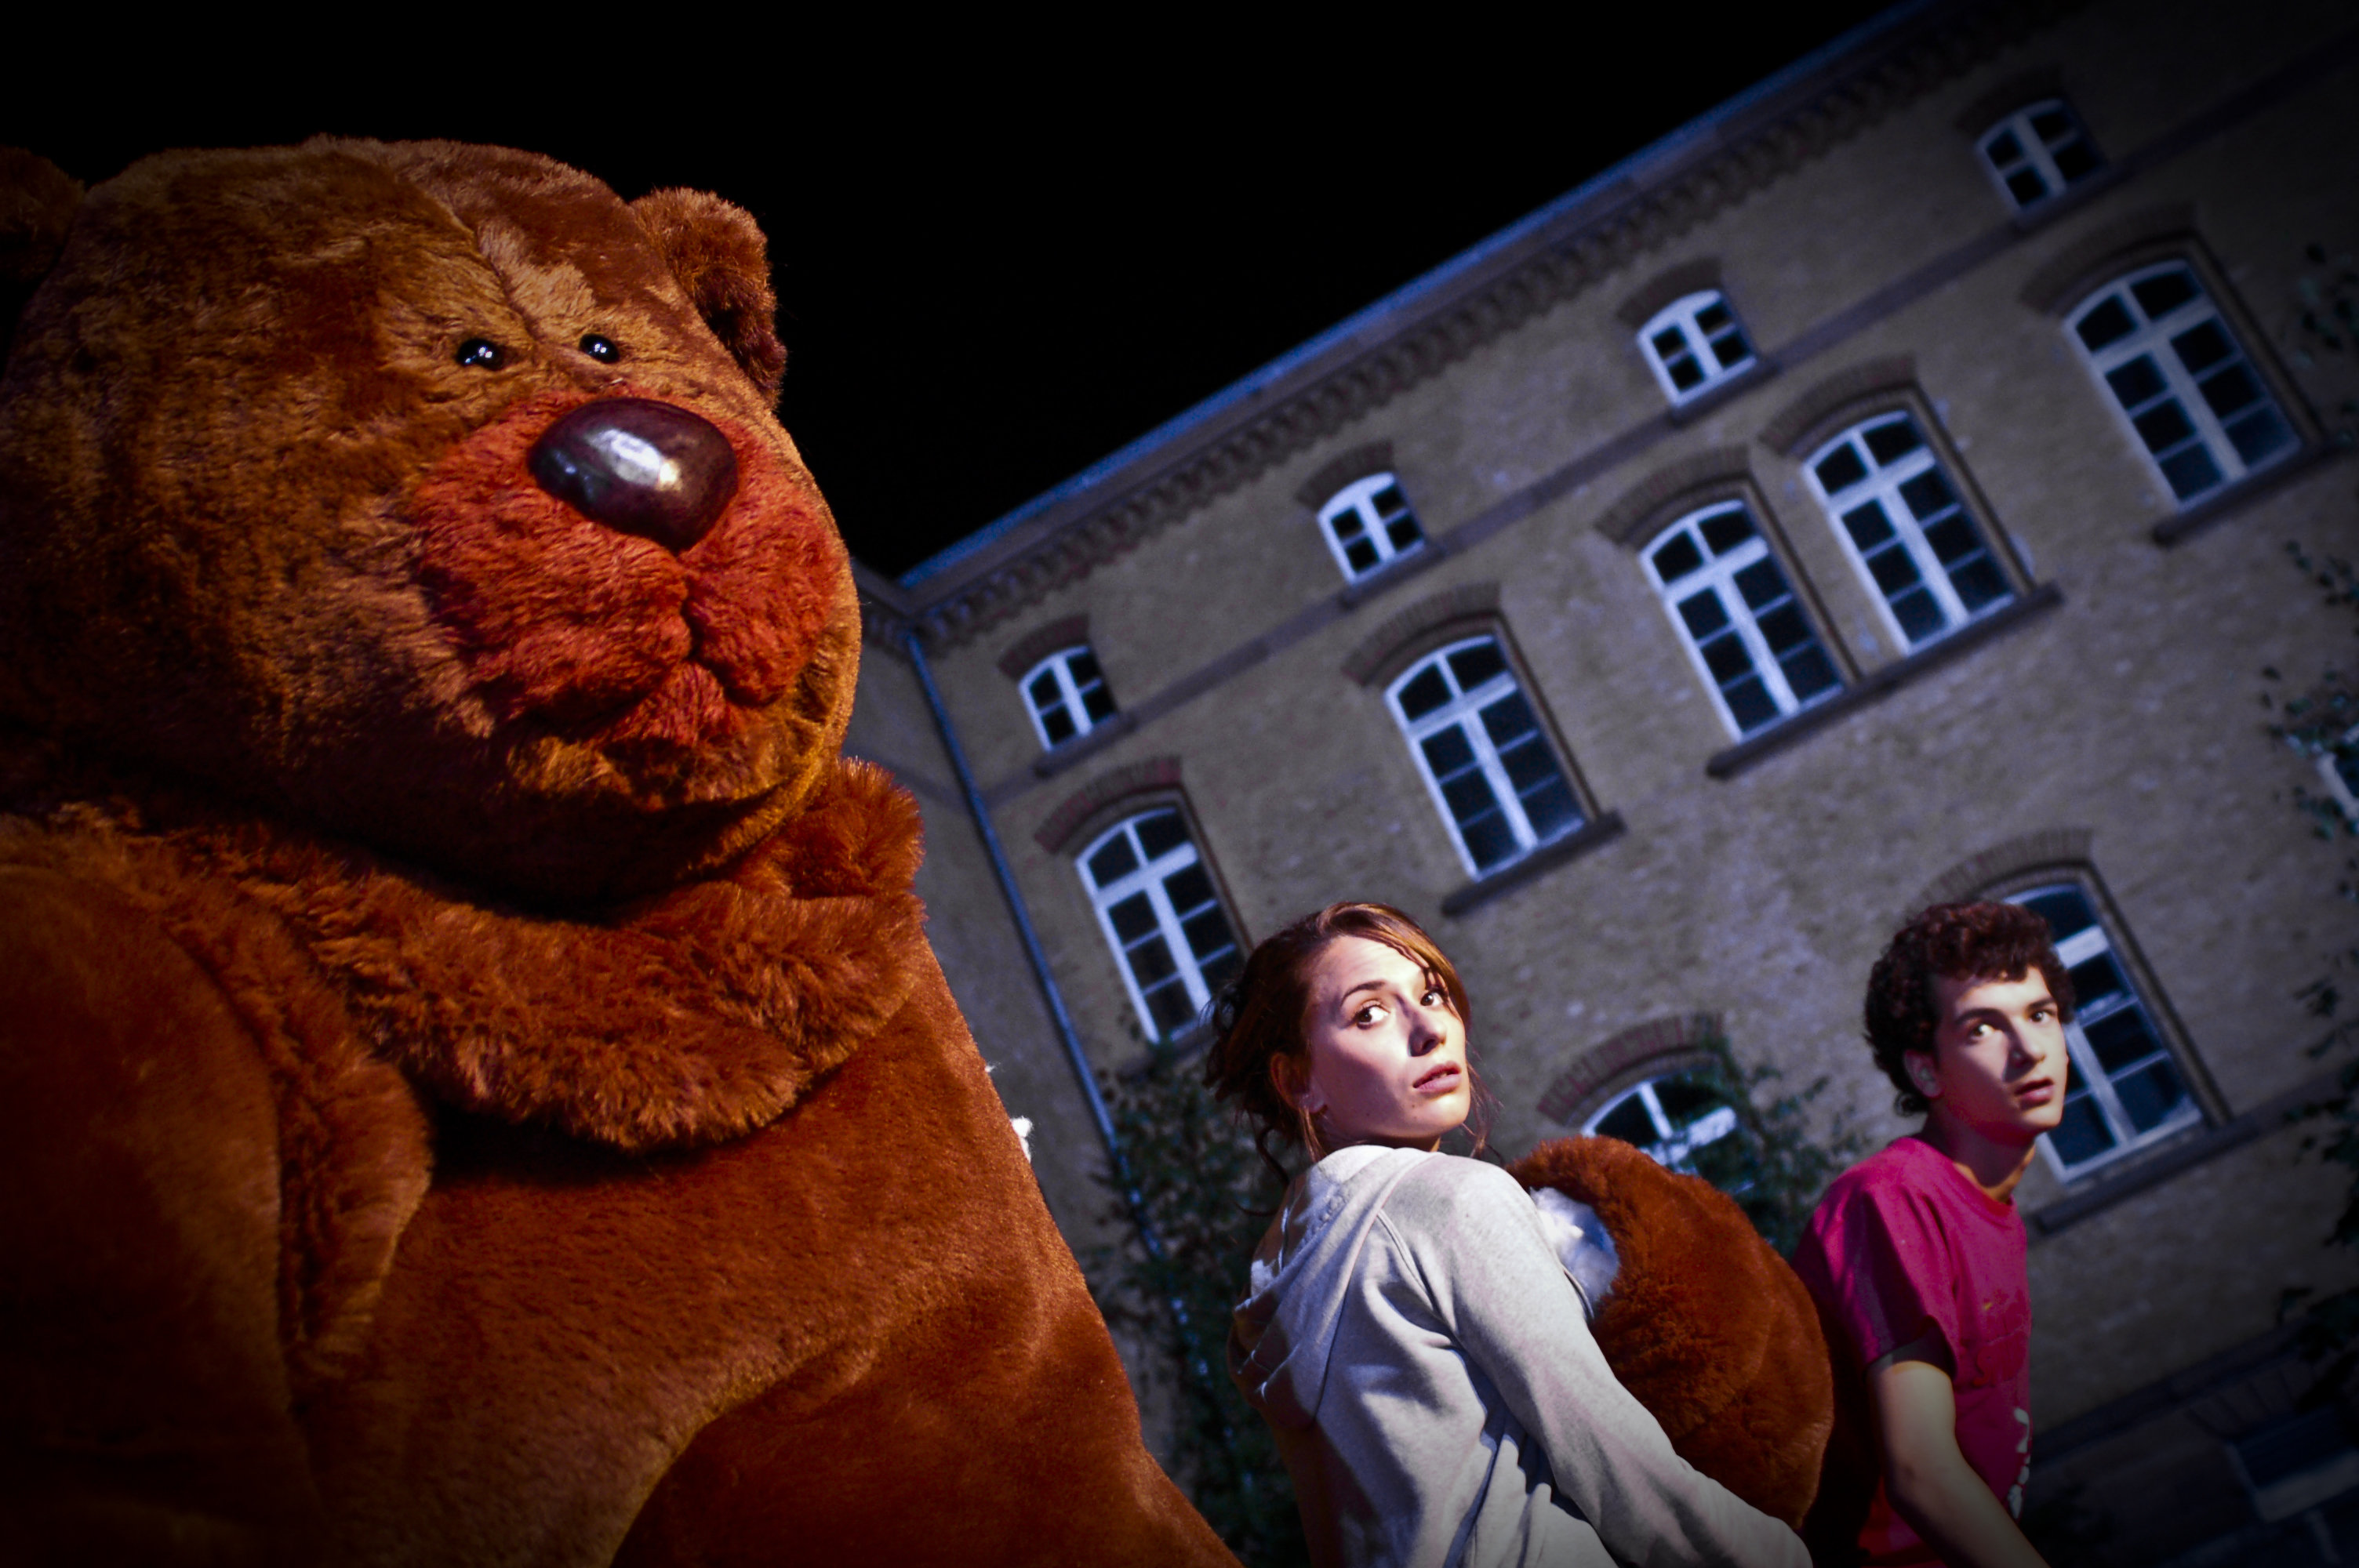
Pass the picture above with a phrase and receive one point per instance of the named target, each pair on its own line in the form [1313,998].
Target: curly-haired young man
[1916,1254]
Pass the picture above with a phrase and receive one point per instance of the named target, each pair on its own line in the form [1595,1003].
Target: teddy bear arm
[148,1417]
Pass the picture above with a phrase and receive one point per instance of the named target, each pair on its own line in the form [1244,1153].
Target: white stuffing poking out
[1581,1244]
[1023,1125]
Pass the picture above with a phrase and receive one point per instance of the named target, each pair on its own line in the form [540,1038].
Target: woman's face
[1387,1054]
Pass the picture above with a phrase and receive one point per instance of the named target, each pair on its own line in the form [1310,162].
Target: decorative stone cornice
[1790,430]
[1600,1065]
[2053,847]
[1154,776]
[1678,283]
[2064,277]
[1376,457]
[1042,641]
[1380,652]
[1649,207]
[1627,521]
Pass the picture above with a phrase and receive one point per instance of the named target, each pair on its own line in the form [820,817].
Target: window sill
[1882,683]
[1080,749]
[2176,1156]
[1762,369]
[2252,487]
[1547,858]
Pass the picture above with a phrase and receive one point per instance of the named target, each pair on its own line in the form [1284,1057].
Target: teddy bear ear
[38,203]
[717,252]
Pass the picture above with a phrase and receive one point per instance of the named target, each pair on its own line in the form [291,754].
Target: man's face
[1999,1065]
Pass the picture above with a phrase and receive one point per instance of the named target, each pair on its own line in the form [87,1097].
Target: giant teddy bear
[474,1088]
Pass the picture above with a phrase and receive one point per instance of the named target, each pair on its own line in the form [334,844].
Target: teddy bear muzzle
[638,467]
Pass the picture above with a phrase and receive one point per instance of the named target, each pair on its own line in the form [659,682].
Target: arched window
[1694,343]
[1746,632]
[2126,1088]
[1162,915]
[2039,150]
[1066,695]
[1670,1117]
[1368,523]
[1479,743]
[2194,400]
[1904,525]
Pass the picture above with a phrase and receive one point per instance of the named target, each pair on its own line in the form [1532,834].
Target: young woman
[1411,1334]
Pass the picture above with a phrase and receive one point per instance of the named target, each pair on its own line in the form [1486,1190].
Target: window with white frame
[1694,343]
[2039,150]
[1066,693]
[1162,915]
[2194,400]
[1727,594]
[1905,527]
[2127,1087]
[1479,743]
[1368,523]
[1671,1118]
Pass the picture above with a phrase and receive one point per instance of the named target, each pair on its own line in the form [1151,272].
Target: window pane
[1527,764]
[1508,719]
[1220,971]
[1208,932]
[1919,615]
[2005,149]
[1894,440]
[2083,1134]
[2151,1094]
[1132,918]
[1187,890]
[2191,472]
[2259,435]
[1892,571]
[1683,1100]
[1954,538]
[1098,703]
[1114,861]
[2106,323]
[1488,840]
[1150,961]
[2136,381]
[2165,292]
[1731,349]
[1703,615]
[2026,186]
[1749,704]
[1726,532]
[1058,725]
[1978,583]
[1476,665]
[1668,344]
[1867,525]
[1809,672]
[1761,583]
[2201,347]
[1629,1122]
[2094,979]
[1713,317]
[2076,160]
[1347,524]
[1840,469]
[1389,500]
[1426,692]
[2163,426]
[1402,532]
[1727,659]
[1446,752]
[1927,494]
[1362,554]
[1162,833]
[2123,1040]
[2230,389]
[1675,559]
[1084,667]
[2066,911]
[1044,690]
[1170,1005]
[1469,796]
[1552,809]
[2050,124]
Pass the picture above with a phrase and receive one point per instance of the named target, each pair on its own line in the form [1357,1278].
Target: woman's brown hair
[1257,1020]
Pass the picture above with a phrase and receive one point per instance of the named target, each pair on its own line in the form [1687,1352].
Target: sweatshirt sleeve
[1515,1316]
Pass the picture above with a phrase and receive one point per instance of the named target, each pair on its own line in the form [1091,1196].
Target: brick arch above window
[1389,649]
[2015,92]
[1642,511]
[1374,458]
[2065,278]
[1042,641]
[1812,416]
[2049,848]
[1674,283]
[1099,803]
[1658,1045]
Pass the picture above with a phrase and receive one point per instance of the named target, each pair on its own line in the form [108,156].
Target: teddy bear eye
[482,353]
[602,349]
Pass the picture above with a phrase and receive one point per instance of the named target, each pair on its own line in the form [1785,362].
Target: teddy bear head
[428,494]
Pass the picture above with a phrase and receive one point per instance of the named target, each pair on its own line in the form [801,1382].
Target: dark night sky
[998,263]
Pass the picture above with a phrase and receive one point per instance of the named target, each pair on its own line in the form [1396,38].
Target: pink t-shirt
[1905,1246]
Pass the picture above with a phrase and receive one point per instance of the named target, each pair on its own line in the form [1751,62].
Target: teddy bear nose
[639,467]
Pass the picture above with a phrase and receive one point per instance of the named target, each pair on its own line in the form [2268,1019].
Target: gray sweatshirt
[1425,1365]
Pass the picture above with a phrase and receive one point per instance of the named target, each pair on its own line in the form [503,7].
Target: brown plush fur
[1707,1326]
[473,1086]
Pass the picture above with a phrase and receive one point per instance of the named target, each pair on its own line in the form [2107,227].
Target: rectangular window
[1906,527]
[1728,596]
[1161,914]
[1482,753]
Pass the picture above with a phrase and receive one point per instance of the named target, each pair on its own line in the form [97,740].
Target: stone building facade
[1876,492]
